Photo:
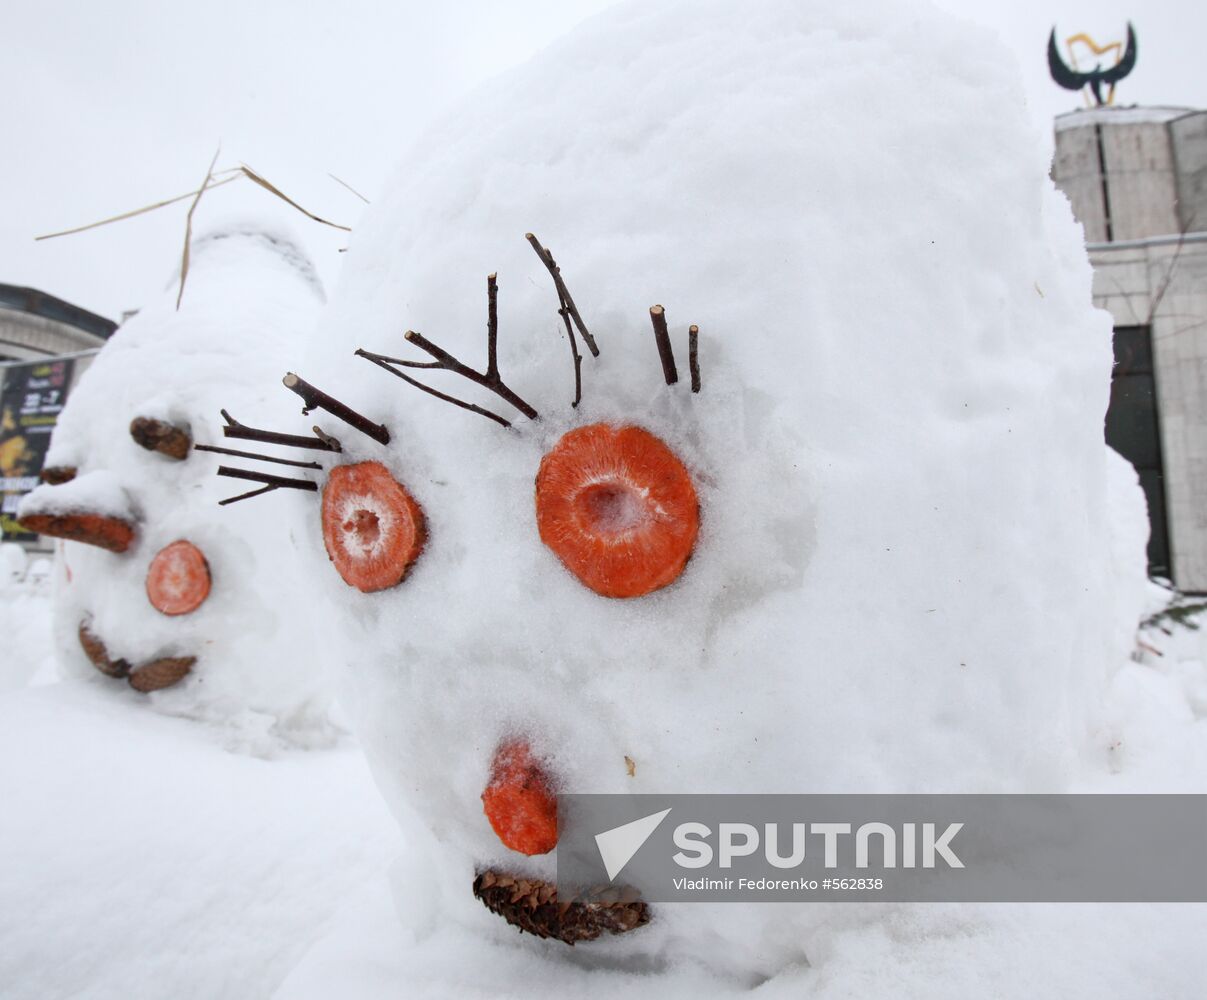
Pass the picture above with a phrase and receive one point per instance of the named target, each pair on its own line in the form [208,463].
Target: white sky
[110,106]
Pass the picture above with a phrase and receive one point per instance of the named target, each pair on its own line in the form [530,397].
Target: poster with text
[31,398]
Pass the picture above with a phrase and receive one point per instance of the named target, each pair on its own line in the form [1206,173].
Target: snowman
[742,410]
[154,589]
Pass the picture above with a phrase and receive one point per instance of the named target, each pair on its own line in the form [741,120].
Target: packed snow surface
[142,861]
[906,577]
[261,663]
[96,492]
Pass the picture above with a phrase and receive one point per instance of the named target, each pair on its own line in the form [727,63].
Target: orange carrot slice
[520,802]
[178,579]
[372,527]
[105,532]
[618,508]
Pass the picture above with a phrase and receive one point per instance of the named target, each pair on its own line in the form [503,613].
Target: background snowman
[192,608]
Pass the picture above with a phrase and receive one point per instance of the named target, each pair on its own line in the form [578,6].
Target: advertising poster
[31,398]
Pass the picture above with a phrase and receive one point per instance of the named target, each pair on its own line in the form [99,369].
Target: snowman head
[863,557]
[186,606]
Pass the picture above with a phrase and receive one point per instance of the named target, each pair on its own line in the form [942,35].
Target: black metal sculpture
[1072,79]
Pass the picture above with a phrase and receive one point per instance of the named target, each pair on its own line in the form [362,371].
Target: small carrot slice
[178,579]
[618,508]
[372,527]
[520,802]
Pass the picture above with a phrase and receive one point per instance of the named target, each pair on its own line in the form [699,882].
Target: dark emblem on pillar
[1095,79]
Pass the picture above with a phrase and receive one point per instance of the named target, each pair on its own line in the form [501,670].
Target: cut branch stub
[662,338]
[241,432]
[101,530]
[161,436]
[57,475]
[488,379]
[316,399]
[693,355]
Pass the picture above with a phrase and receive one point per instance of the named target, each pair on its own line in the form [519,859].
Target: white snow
[142,861]
[96,492]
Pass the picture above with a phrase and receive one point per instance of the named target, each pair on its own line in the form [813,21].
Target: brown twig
[384,362]
[321,442]
[246,496]
[563,292]
[316,399]
[563,310]
[564,313]
[270,483]
[258,457]
[326,438]
[489,379]
[663,340]
[693,356]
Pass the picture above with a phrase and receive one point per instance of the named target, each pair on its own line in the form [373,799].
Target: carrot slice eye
[372,527]
[178,579]
[520,802]
[618,508]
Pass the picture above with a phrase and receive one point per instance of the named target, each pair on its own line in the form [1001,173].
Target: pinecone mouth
[532,905]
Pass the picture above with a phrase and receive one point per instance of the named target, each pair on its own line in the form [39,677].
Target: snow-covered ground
[142,858]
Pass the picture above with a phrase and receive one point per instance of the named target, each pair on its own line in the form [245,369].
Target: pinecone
[96,652]
[532,905]
[161,673]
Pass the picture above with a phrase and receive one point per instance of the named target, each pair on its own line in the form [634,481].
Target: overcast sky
[109,106]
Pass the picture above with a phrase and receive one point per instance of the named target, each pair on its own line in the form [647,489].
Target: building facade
[45,346]
[1137,181]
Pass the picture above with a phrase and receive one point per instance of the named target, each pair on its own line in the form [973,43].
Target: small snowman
[154,588]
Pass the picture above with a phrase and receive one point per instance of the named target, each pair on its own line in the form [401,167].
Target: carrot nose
[519,800]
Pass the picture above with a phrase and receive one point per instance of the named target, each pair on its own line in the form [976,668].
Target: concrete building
[45,346]
[1137,181]
[35,325]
